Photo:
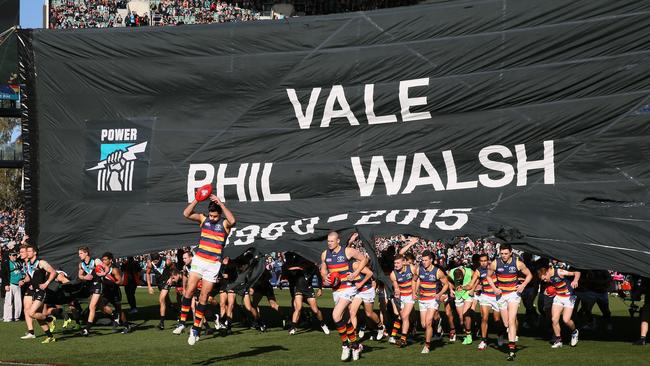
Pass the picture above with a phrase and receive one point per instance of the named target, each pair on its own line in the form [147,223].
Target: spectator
[12,279]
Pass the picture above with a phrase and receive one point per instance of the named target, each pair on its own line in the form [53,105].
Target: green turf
[148,346]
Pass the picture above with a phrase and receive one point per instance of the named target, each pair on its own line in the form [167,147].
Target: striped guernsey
[429,283]
[211,242]
[340,264]
[507,275]
[405,281]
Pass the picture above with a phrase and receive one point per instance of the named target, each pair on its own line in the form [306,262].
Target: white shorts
[403,300]
[425,305]
[491,301]
[565,301]
[460,302]
[344,294]
[367,296]
[506,299]
[208,271]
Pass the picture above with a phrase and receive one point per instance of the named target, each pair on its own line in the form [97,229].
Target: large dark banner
[526,119]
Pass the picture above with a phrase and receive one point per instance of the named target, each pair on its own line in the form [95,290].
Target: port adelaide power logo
[117,155]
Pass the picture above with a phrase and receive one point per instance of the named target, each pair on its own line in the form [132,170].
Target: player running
[40,275]
[563,302]
[336,266]
[206,263]
[28,293]
[184,273]
[366,296]
[487,299]
[403,278]
[463,293]
[227,297]
[300,272]
[431,283]
[508,292]
[112,294]
[162,268]
[261,288]
[88,275]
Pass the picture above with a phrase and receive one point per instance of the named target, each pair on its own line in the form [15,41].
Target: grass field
[147,345]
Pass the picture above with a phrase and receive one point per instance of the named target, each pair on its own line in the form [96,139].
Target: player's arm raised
[189,213]
[353,238]
[411,240]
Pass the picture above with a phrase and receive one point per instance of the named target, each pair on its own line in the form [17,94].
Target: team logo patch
[117,155]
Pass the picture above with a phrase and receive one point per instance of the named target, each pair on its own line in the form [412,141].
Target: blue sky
[15,133]
[31,13]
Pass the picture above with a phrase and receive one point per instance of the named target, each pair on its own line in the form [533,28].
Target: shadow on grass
[504,349]
[98,331]
[254,351]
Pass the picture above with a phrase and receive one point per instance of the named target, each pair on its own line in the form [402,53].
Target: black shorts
[644,312]
[264,289]
[306,294]
[223,286]
[304,288]
[54,298]
[164,286]
[29,292]
[112,295]
[39,295]
[95,288]
[239,290]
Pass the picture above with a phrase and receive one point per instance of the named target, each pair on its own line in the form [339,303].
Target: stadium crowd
[175,12]
[12,228]
[69,14]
